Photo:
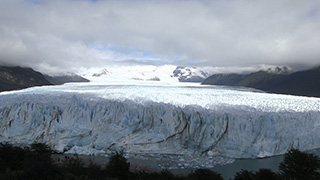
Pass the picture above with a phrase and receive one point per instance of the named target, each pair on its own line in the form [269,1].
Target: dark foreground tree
[39,164]
[204,174]
[299,165]
[166,174]
[244,175]
[265,174]
[262,174]
[26,163]
[118,167]
[74,166]
[11,157]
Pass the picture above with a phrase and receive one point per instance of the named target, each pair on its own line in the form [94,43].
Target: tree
[118,167]
[262,174]
[39,164]
[299,165]
[74,165]
[244,175]
[204,174]
[265,174]
[166,174]
[41,149]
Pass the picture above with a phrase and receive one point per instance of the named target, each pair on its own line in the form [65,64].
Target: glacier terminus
[187,119]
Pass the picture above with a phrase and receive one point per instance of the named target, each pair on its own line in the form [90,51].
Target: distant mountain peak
[190,74]
[101,73]
[278,70]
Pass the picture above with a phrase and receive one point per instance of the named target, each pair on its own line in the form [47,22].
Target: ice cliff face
[173,120]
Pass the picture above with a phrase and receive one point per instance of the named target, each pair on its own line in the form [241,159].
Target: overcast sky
[63,35]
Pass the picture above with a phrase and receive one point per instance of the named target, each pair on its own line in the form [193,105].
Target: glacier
[183,119]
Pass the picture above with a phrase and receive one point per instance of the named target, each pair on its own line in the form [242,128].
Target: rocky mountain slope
[14,78]
[57,80]
[306,83]
[278,80]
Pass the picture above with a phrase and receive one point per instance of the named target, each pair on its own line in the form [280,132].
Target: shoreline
[151,163]
[155,163]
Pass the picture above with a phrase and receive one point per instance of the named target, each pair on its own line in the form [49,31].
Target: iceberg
[163,119]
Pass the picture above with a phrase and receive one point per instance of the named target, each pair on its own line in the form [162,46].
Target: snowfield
[155,118]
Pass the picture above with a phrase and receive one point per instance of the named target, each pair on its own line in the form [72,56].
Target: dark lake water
[173,163]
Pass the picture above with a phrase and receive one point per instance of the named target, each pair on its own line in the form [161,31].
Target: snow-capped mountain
[278,70]
[132,75]
[194,74]
[103,72]
[163,74]
[197,120]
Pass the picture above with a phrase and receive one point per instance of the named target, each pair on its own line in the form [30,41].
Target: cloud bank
[56,35]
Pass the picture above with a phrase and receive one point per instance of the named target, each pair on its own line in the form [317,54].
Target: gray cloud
[61,35]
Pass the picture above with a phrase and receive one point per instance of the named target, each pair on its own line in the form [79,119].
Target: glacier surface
[161,119]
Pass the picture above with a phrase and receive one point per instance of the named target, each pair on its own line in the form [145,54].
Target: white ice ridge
[201,120]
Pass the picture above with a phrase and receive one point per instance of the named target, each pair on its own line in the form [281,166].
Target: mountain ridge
[58,80]
[301,83]
[15,78]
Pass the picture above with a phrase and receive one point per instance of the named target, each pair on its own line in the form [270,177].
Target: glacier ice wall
[68,120]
